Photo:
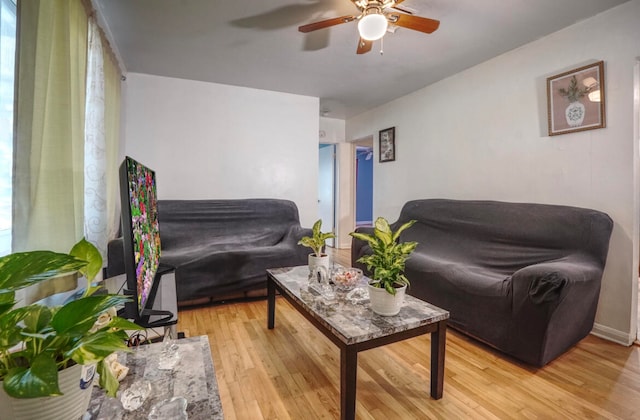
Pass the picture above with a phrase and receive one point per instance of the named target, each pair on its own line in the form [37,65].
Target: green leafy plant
[573,92]
[388,259]
[317,240]
[37,341]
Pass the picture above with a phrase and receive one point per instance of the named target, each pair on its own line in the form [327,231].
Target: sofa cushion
[473,279]
[223,247]
[224,271]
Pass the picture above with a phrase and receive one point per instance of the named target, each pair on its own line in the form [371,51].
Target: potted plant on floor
[317,242]
[48,355]
[386,263]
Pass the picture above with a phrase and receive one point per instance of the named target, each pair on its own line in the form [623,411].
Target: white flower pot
[384,303]
[323,261]
[74,402]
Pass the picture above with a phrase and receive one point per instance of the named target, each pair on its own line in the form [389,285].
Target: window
[7,76]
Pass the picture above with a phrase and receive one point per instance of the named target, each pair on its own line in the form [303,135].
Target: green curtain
[49,152]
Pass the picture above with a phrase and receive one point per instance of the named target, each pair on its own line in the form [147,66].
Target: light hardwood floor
[292,372]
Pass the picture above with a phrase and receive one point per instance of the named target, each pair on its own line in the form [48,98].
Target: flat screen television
[141,234]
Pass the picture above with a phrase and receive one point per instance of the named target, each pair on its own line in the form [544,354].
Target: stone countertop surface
[183,369]
[352,320]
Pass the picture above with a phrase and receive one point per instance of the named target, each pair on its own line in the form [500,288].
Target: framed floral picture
[387,143]
[575,100]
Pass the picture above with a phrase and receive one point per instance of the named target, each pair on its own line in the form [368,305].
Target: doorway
[364,182]
[327,189]
[364,186]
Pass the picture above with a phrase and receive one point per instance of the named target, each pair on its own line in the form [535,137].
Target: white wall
[481,134]
[332,130]
[207,140]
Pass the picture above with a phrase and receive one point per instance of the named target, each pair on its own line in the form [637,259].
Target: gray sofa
[523,278]
[221,248]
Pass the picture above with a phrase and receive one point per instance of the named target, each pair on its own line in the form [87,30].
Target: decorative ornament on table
[319,282]
[346,279]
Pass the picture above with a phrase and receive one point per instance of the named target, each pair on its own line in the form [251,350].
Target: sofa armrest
[291,238]
[295,233]
[550,281]
[115,257]
[554,306]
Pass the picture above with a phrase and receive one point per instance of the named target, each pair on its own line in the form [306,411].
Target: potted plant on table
[386,263]
[317,242]
[48,355]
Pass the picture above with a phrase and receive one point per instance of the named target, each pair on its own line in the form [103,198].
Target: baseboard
[611,334]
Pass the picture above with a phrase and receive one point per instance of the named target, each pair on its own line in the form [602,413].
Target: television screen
[140,218]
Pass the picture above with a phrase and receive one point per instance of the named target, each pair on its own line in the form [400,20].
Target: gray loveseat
[221,248]
[523,278]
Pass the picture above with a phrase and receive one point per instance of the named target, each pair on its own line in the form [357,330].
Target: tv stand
[165,306]
[163,318]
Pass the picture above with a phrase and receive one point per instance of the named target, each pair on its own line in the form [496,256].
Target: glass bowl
[346,278]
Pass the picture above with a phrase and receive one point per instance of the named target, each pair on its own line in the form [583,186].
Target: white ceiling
[255,43]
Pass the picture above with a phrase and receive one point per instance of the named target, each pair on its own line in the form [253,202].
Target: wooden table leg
[348,372]
[438,341]
[271,303]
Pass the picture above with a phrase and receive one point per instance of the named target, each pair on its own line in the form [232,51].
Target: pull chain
[382,46]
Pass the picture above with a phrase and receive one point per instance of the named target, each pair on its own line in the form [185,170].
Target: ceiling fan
[373,20]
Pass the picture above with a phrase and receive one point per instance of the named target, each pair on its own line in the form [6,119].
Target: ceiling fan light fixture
[372,26]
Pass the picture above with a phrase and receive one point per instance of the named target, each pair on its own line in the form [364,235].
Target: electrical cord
[136,339]
[140,338]
[121,287]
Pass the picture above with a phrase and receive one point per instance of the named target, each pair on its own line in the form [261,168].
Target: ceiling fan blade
[325,23]
[416,23]
[364,46]
[402,9]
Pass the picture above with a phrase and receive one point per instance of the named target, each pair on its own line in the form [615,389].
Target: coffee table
[191,375]
[353,327]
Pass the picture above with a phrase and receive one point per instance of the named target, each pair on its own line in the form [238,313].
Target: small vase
[574,114]
[76,386]
[384,303]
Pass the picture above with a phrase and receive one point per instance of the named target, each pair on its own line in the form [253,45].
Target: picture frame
[387,145]
[576,100]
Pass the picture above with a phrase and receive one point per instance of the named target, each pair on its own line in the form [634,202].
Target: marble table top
[159,373]
[352,320]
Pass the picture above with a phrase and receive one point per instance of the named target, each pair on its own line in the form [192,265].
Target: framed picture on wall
[575,100]
[387,144]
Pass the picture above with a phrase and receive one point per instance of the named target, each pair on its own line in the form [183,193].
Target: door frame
[635,307]
[330,242]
